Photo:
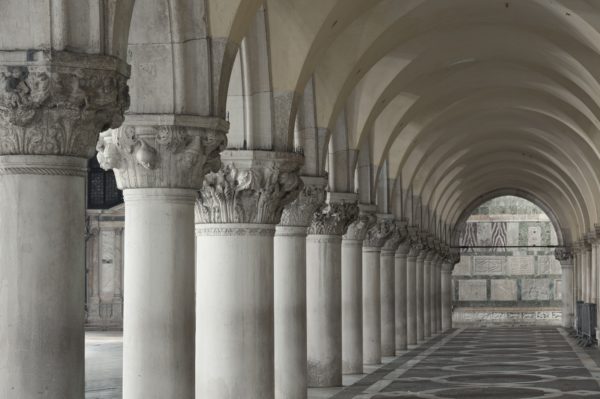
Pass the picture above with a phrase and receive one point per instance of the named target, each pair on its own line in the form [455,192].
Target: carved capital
[312,198]
[394,240]
[56,102]
[333,219]
[357,230]
[149,154]
[250,187]
[563,254]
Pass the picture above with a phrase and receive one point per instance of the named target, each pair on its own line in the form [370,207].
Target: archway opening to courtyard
[508,274]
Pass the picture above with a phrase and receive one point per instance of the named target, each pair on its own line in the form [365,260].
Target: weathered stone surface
[250,187]
[488,265]
[503,290]
[145,153]
[520,265]
[535,289]
[472,290]
[548,265]
[56,102]
[463,268]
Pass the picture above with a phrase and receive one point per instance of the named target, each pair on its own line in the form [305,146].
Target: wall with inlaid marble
[506,275]
[104,269]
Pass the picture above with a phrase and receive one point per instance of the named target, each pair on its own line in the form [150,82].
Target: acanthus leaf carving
[59,105]
[251,187]
[160,156]
[311,199]
[379,233]
[357,230]
[333,219]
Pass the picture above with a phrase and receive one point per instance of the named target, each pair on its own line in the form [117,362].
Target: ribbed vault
[458,99]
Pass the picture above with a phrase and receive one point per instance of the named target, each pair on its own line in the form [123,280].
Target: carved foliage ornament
[333,219]
[379,234]
[563,254]
[161,156]
[255,193]
[59,106]
[357,230]
[301,210]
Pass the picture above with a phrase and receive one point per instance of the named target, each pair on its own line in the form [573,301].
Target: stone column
[434,293]
[401,296]
[411,291]
[53,104]
[427,293]
[159,164]
[388,297]
[290,289]
[237,211]
[588,271]
[352,328]
[421,295]
[438,285]
[118,276]
[376,237]
[323,289]
[565,257]
[447,267]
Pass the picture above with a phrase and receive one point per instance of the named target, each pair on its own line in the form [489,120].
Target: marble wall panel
[472,290]
[488,265]
[535,289]
[520,265]
[503,290]
[463,268]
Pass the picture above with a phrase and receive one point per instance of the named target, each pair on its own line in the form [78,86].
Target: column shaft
[42,243]
[567,296]
[400,287]
[446,309]
[411,300]
[421,297]
[427,297]
[388,313]
[371,305]
[158,335]
[290,312]
[234,297]
[352,333]
[323,304]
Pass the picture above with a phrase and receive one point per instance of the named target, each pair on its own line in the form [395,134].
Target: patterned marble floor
[490,363]
[498,363]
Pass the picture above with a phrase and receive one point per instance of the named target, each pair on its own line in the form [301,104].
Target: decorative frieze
[251,187]
[56,102]
[311,198]
[333,219]
[148,154]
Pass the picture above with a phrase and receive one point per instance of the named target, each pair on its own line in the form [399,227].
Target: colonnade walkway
[491,363]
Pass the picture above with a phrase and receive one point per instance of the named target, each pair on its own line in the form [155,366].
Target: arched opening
[508,274]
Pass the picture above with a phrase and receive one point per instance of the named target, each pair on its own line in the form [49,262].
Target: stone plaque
[548,265]
[512,233]
[463,268]
[520,265]
[558,289]
[534,236]
[472,290]
[484,233]
[504,290]
[535,289]
[488,265]
[107,267]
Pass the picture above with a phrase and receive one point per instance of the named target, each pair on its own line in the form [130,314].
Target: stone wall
[104,269]
[506,276]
